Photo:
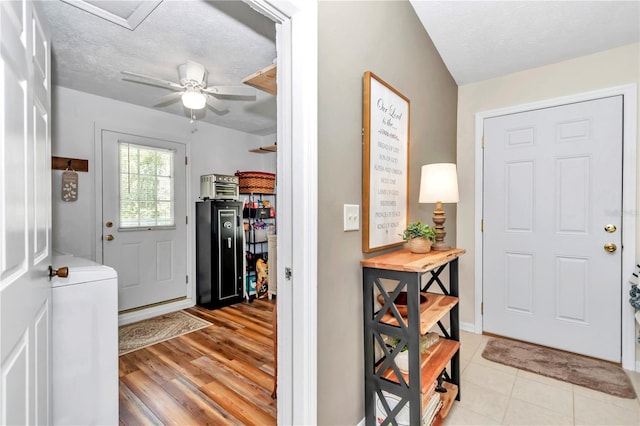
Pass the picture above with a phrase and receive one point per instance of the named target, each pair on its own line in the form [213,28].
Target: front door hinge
[186,160]
[481,225]
[287,273]
[481,308]
[187,279]
[482,141]
[186,220]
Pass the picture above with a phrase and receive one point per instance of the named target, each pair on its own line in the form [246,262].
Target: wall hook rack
[65,163]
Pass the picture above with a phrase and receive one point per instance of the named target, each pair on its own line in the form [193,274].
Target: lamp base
[438,219]
[440,246]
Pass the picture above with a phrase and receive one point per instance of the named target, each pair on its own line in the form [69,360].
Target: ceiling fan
[193,88]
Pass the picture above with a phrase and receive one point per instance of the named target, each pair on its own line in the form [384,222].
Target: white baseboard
[468,327]
[154,311]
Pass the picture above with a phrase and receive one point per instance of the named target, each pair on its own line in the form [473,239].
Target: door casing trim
[629,161]
[297,170]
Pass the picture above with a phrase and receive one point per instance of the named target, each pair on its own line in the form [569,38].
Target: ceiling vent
[127,14]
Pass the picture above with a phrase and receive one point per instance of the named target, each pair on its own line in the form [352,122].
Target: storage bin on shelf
[257,182]
[259,219]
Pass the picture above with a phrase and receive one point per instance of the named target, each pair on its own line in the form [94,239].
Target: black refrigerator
[219,253]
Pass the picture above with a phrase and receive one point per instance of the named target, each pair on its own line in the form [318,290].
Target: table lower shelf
[432,362]
[444,404]
[447,398]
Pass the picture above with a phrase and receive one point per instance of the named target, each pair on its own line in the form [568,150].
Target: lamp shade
[439,182]
[193,99]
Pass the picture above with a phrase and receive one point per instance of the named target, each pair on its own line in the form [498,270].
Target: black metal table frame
[374,329]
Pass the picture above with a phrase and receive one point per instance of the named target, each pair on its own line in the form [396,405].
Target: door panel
[25,216]
[573,285]
[14,183]
[150,258]
[519,196]
[553,180]
[228,259]
[519,282]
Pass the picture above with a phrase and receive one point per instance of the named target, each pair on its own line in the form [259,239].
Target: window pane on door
[146,186]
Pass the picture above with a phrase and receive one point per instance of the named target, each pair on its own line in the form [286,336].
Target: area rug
[148,332]
[579,370]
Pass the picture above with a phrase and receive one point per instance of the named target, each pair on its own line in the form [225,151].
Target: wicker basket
[419,245]
[257,182]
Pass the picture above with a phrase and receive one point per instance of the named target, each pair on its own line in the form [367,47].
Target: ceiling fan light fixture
[194,99]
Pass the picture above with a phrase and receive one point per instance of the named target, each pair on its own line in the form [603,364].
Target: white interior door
[552,185]
[25,217]
[144,218]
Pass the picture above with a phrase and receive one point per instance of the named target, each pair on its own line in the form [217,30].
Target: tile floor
[495,394]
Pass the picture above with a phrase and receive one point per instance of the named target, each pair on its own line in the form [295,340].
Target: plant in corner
[420,237]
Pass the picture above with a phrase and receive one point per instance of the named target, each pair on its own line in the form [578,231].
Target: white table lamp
[439,184]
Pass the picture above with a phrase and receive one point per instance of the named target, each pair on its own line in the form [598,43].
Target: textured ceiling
[229,38]
[484,39]
[476,39]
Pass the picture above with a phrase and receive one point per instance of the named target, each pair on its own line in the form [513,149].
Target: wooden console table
[389,274]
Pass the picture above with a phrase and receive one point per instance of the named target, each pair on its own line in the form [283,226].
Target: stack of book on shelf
[432,409]
[431,404]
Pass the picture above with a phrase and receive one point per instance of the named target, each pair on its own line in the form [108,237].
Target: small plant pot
[419,245]
[402,361]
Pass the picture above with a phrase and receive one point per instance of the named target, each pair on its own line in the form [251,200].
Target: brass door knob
[109,224]
[60,272]
[110,237]
[610,247]
[610,228]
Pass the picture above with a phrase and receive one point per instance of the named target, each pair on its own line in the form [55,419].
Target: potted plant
[402,357]
[420,236]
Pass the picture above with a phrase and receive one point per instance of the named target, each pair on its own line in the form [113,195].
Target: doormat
[588,372]
[148,332]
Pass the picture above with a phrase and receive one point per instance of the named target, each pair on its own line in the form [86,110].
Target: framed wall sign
[385,164]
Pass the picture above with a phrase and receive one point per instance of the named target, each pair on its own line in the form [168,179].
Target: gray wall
[388,39]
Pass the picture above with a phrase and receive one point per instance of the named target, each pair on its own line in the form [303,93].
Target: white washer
[85,343]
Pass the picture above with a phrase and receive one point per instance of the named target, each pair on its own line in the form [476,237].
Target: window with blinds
[146,186]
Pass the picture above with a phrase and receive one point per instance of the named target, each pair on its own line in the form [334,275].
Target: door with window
[553,225]
[144,218]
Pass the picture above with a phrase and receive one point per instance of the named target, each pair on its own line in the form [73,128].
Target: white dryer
[85,343]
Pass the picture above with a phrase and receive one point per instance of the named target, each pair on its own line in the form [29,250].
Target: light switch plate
[351,217]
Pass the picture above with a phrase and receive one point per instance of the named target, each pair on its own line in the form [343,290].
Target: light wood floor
[221,374]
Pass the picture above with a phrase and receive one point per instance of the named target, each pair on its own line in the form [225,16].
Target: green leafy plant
[417,230]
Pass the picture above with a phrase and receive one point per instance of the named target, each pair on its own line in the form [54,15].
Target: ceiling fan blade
[237,90]
[217,105]
[144,79]
[168,99]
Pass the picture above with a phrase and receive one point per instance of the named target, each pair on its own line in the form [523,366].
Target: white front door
[552,187]
[144,217]
[25,217]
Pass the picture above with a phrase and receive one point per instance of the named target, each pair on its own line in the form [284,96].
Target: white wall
[213,149]
[602,70]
